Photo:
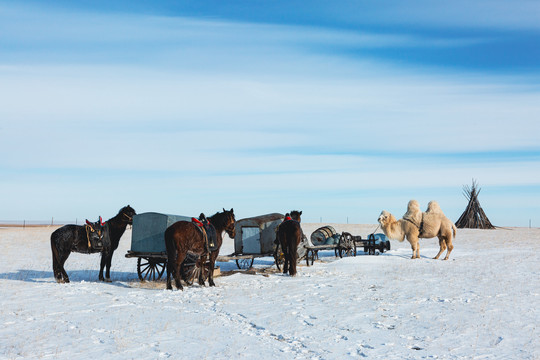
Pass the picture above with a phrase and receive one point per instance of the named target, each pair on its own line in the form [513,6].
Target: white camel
[415,224]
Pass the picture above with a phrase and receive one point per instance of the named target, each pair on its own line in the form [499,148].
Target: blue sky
[340,109]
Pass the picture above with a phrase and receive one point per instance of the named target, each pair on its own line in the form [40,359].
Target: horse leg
[105,264]
[61,261]
[173,266]
[108,266]
[211,269]
[292,265]
[55,263]
[102,265]
[286,260]
[169,270]
[201,263]
[180,256]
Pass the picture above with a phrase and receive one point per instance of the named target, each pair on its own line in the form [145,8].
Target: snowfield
[483,303]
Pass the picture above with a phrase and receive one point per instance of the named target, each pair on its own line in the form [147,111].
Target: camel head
[385,218]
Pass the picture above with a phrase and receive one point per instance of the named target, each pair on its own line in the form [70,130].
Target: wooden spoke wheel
[346,247]
[150,269]
[347,251]
[245,264]
[279,257]
[311,255]
[192,271]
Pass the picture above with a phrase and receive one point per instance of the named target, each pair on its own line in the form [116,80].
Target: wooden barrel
[325,235]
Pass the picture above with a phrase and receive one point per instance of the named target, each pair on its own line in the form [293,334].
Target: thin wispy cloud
[142,106]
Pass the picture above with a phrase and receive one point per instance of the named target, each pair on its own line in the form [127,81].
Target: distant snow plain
[483,303]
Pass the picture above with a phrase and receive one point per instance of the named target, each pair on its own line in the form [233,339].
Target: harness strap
[415,224]
[88,228]
[200,226]
[412,222]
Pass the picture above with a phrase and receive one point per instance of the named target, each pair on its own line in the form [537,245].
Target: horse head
[127,213]
[295,215]
[230,223]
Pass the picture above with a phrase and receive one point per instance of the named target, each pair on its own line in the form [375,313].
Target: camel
[417,225]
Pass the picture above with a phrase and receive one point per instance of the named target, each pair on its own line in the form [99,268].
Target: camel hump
[413,213]
[433,207]
[412,205]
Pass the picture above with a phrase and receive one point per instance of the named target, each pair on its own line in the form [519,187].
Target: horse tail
[291,237]
[55,255]
[454,229]
[294,253]
[171,251]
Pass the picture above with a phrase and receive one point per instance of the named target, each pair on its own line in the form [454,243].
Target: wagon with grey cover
[254,238]
[148,246]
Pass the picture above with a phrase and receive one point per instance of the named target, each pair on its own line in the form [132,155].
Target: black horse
[114,229]
[289,235]
[89,239]
[85,239]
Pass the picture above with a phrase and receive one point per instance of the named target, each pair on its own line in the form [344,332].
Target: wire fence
[36,223]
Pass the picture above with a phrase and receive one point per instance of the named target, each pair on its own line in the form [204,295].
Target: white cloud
[246,115]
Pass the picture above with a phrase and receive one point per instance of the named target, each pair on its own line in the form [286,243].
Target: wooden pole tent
[474,216]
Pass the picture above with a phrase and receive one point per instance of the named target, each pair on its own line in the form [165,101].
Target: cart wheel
[311,255]
[279,258]
[150,269]
[347,246]
[387,245]
[245,264]
[347,251]
[192,271]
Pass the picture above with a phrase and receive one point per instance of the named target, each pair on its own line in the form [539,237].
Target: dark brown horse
[114,229]
[85,239]
[184,236]
[289,236]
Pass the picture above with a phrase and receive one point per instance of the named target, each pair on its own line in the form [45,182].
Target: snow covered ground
[481,304]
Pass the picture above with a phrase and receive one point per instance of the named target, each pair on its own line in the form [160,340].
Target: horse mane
[219,220]
[120,213]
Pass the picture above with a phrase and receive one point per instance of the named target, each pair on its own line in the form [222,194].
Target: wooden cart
[344,244]
[148,246]
[254,238]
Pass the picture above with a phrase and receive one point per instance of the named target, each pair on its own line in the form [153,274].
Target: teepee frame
[474,216]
